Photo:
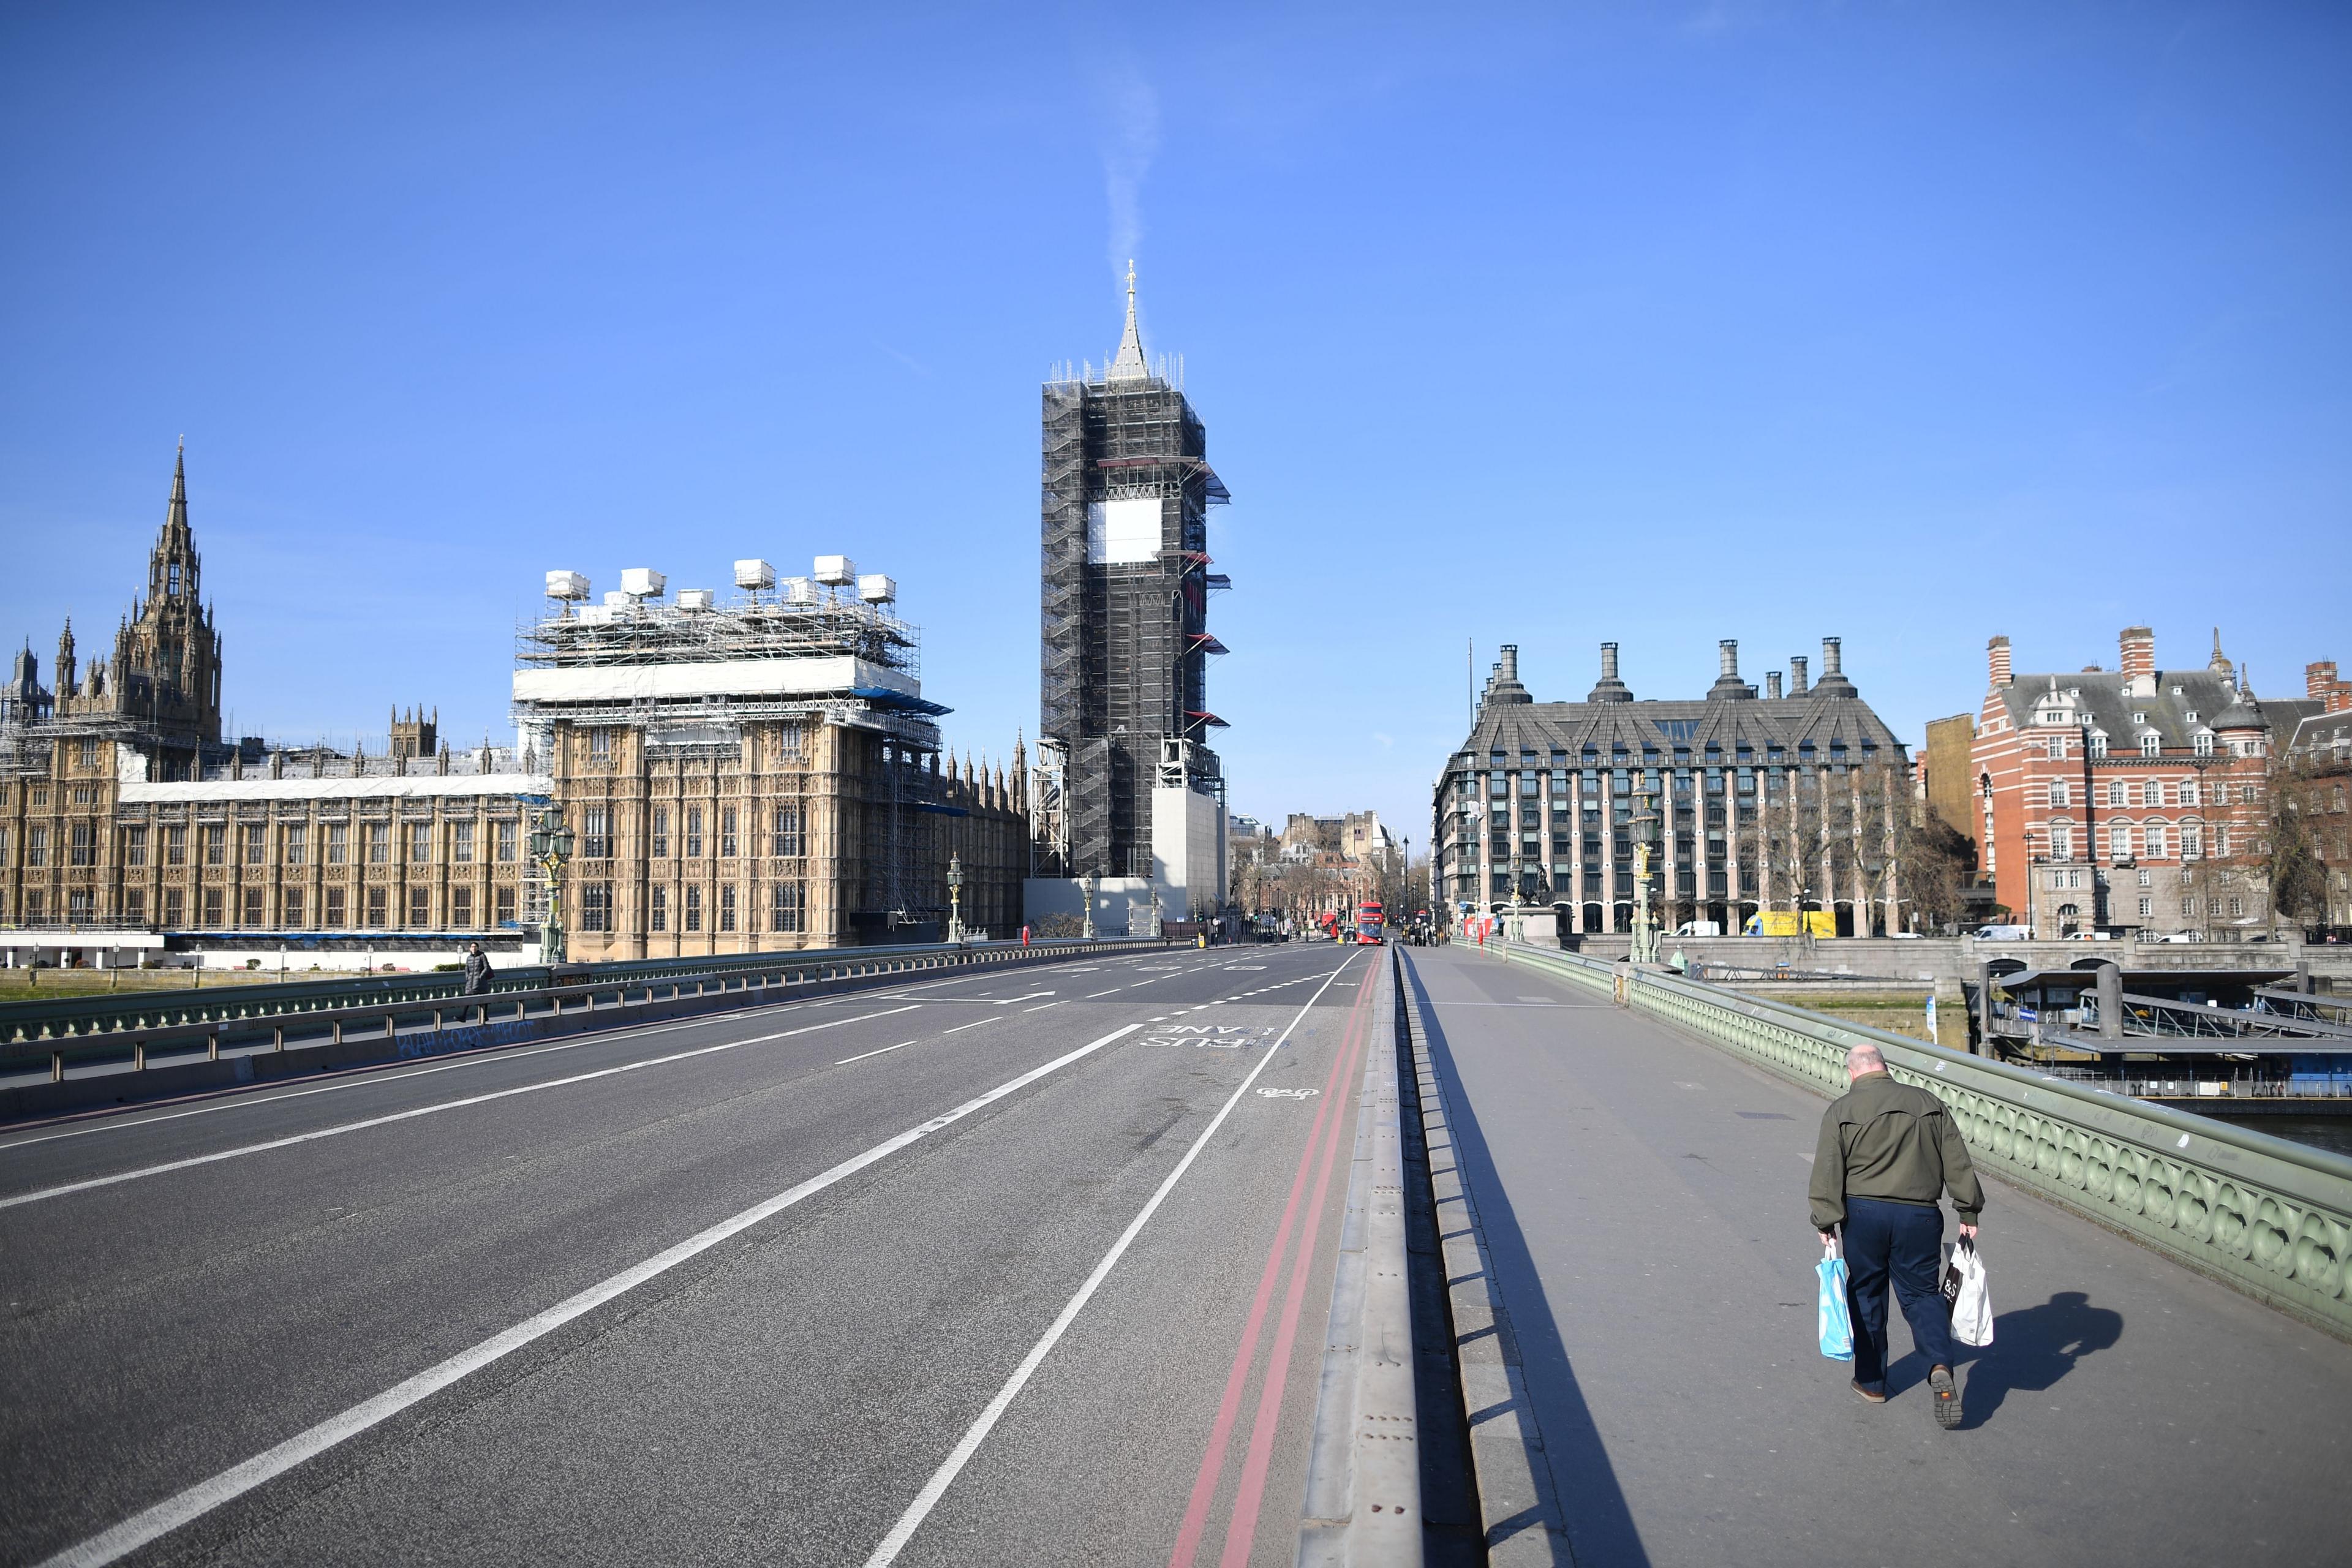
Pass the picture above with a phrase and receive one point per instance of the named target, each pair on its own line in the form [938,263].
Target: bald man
[1888,1153]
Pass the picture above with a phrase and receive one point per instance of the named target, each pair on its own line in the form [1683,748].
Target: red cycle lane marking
[1213,1460]
[1251,1491]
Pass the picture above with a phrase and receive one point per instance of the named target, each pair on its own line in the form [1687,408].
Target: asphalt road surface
[1026,1267]
[1644,1199]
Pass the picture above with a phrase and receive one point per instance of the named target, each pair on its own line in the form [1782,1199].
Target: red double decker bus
[1369,922]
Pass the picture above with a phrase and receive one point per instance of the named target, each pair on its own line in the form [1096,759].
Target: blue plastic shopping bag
[1837,1328]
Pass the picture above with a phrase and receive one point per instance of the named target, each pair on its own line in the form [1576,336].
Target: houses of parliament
[133,832]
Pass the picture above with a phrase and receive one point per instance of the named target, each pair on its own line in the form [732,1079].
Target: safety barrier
[179,1036]
[2271,1217]
[76,1017]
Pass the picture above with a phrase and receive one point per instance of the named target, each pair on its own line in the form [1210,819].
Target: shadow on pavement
[2031,1348]
[1600,1526]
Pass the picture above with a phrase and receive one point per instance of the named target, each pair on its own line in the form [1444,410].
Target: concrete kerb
[1363,1472]
[1518,1503]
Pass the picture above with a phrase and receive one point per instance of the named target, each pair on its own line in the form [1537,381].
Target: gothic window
[420,843]
[727,907]
[292,904]
[726,841]
[461,908]
[86,750]
[660,919]
[461,844]
[596,834]
[339,843]
[506,842]
[78,906]
[596,905]
[256,844]
[298,843]
[216,904]
[37,847]
[175,846]
[420,907]
[693,838]
[788,838]
[82,848]
[175,907]
[789,906]
[379,904]
[660,849]
[600,745]
[171,579]
[506,906]
[694,908]
[134,905]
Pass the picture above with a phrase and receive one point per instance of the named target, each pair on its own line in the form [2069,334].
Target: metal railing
[2271,1217]
[120,1032]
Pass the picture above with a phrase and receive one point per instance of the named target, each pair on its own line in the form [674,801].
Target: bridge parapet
[2267,1216]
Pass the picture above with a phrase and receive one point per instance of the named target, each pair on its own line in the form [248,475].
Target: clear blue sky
[1907,323]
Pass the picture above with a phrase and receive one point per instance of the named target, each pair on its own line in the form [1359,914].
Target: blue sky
[1662,323]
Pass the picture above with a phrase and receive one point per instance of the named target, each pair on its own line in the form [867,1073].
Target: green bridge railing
[41,1019]
[2270,1217]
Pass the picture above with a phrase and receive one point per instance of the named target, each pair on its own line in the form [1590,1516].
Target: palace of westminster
[745,776]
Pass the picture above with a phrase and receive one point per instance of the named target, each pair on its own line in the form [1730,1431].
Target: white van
[2004,933]
[1699,928]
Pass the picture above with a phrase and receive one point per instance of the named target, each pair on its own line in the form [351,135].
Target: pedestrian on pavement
[478,972]
[1888,1153]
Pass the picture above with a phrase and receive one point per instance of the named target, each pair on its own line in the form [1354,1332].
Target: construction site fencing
[2270,1217]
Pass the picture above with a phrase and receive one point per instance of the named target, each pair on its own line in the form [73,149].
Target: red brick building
[2131,801]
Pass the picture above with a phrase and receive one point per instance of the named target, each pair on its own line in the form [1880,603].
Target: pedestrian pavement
[1643,1200]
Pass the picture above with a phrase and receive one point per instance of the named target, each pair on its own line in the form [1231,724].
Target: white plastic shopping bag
[1972,1302]
[1837,1326]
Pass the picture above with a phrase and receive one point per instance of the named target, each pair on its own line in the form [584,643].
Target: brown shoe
[1876,1397]
[1946,1394]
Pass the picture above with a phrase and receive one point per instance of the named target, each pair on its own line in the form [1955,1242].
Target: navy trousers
[1902,1243]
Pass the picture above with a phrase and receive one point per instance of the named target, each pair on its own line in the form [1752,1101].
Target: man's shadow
[2031,1348]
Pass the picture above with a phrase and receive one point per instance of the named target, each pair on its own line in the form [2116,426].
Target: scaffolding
[1125,643]
[695,676]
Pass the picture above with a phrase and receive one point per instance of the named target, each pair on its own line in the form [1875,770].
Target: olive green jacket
[1889,1140]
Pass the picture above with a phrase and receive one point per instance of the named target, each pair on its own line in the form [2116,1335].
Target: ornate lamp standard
[955,899]
[551,848]
[1645,925]
[1092,883]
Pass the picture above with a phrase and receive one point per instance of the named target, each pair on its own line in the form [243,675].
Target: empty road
[1013,1268]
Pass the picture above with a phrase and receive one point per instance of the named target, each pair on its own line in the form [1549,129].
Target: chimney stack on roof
[2319,684]
[1609,688]
[1798,686]
[1771,683]
[1997,661]
[2139,654]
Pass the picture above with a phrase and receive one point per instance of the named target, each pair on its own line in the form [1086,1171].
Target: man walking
[478,972]
[1888,1153]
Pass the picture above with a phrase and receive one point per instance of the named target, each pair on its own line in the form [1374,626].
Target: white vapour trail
[1129,111]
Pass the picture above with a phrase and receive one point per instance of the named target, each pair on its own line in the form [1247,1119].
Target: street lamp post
[551,848]
[955,900]
[1092,882]
[1645,925]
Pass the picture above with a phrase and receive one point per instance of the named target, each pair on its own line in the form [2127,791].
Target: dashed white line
[959,1029]
[411,1114]
[154,1523]
[861,1055]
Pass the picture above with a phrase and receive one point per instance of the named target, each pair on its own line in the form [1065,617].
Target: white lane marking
[411,1114]
[944,1477]
[885,1051]
[1029,996]
[959,1029]
[1092,994]
[388,1073]
[152,1524]
[1041,1008]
